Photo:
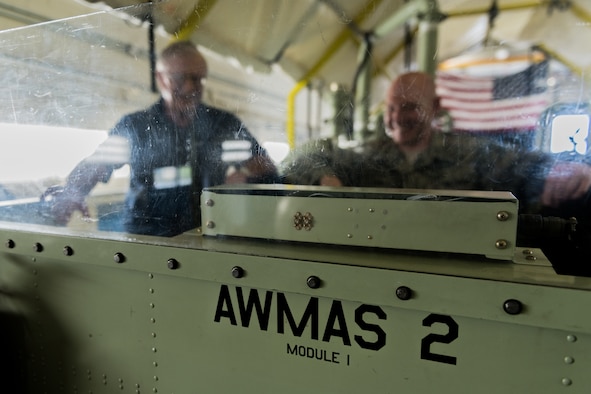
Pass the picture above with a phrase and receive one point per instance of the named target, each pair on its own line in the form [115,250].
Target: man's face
[181,80]
[409,110]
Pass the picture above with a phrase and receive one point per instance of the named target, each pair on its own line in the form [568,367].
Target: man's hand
[235,176]
[566,181]
[330,180]
[62,204]
[257,167]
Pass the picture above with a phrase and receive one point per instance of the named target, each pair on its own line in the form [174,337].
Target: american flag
[502,103]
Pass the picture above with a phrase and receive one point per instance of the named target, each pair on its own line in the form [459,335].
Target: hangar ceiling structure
[320,43]
[321,39]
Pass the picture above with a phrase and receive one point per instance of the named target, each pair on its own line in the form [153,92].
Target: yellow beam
[345,35]
[580,12]
[506,7]
[194,20]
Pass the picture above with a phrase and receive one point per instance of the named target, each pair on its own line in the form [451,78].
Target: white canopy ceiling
[320,39]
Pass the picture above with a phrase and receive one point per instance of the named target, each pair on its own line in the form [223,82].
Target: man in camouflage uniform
[412,154]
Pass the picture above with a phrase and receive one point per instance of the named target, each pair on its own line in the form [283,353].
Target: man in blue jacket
[176,147]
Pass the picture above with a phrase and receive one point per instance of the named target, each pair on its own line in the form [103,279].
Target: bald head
[180,72]
[177,51]
[414,86]
[411,104]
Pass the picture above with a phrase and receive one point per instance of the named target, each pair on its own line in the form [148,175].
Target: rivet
[404,293]
[503,216]
[369,237]
[349,235]
[209,202]
[37,247]
[313,282]
[151,276]
[237,272]
[566,382]
[349,209]
[531,258]
[371,210]
[501,244]
[513,307]
[210,224]
[68,251]
[571,338]
[119,257]
[528,251]
[172,264]
[153,350]
[569,360]
[10,244]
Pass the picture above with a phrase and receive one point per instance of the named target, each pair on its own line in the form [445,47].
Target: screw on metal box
[313,282]
[404,293]
[119,258]
[571,338]
[37,247]
[503,216]
[68,251]
[237,272]
[501,244]
[209,202]
[513,307]
[210,224]
[173,264]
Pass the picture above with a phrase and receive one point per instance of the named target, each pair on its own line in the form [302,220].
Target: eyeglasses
[179,79]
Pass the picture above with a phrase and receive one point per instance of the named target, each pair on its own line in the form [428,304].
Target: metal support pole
[362,92]
[427,46]
[152,52]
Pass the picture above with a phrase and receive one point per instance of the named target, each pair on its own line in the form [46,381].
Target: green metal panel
[447,221]
[93,325]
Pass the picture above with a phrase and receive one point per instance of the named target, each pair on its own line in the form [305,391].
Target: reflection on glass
[106,151]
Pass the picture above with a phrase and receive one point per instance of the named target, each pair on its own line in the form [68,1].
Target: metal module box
[483,223]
